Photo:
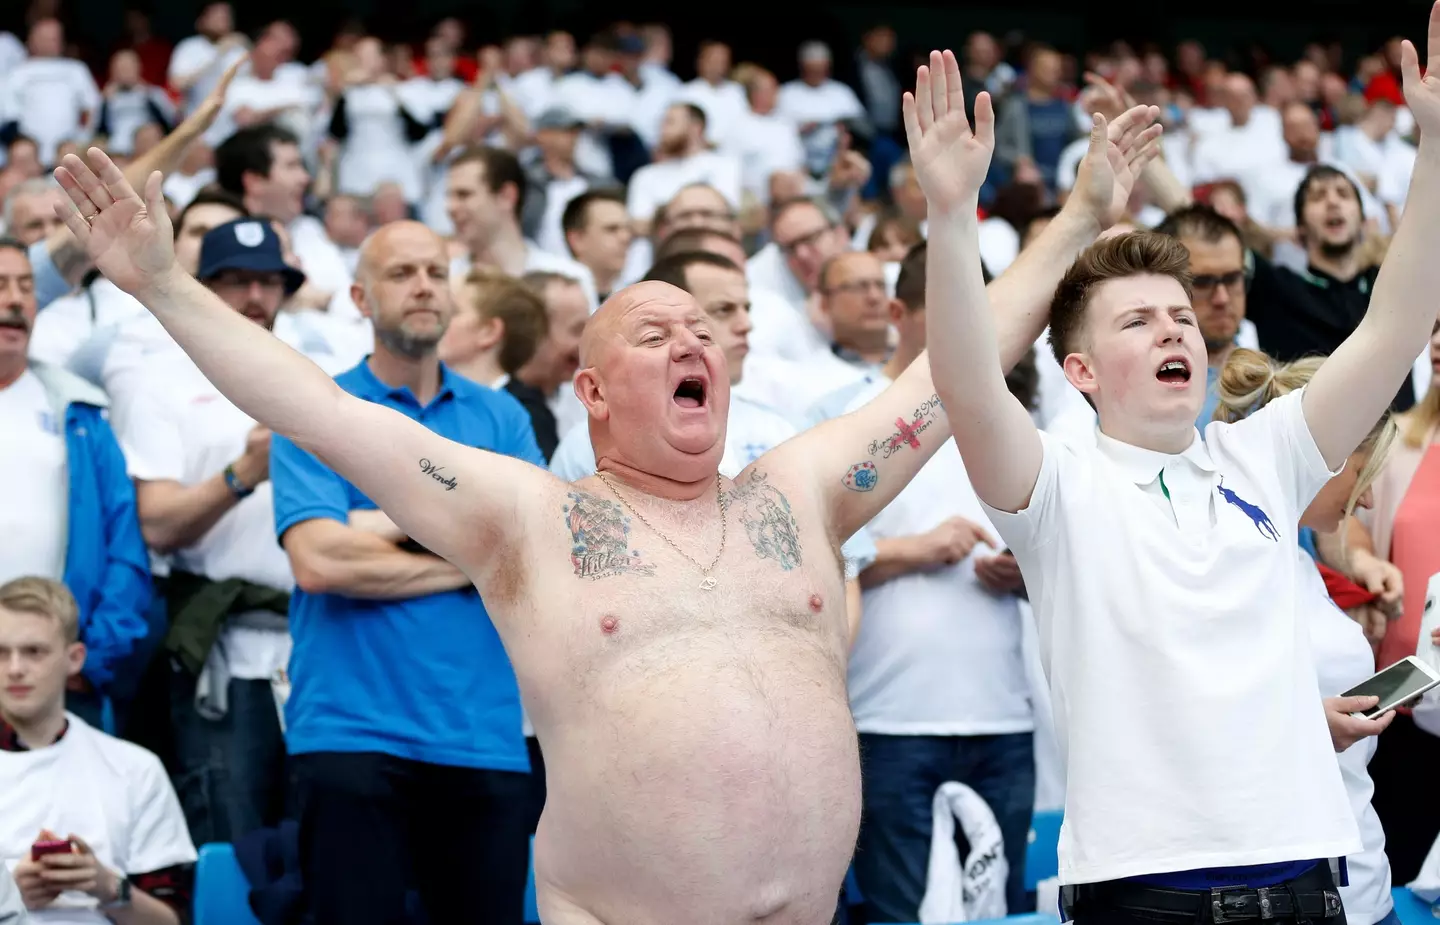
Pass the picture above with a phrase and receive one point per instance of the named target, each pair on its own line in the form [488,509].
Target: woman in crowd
[1343,657]
[1405,528]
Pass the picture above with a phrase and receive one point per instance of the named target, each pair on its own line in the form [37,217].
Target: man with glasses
[804,234]
[1217,265]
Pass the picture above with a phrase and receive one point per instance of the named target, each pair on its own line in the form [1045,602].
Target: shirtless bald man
[679,637]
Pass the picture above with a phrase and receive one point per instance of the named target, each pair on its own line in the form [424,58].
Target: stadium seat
[532,914]
[222,894]
[1042,859]
[1412,909]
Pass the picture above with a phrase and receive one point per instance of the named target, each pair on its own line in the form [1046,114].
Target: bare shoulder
[771,508]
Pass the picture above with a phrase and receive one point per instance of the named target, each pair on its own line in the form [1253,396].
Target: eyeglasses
[1204,286]
[805,240]
[856,286]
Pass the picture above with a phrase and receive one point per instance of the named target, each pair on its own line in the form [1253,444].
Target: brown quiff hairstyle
[493,295]
[1136,253]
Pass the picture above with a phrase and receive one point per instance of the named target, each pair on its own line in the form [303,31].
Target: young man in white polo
[1201,782]
[118,847]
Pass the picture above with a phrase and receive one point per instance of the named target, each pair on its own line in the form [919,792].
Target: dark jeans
[1411,820]
[898,779]
[372,826]
[537,782]
[230,773]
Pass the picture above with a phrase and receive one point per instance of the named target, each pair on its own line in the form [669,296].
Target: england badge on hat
[250,234]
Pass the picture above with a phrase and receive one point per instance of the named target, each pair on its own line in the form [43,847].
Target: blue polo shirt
[426,678]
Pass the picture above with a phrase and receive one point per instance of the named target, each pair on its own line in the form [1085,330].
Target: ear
[490,333]
[357,295]
[591,394]
[898,311]
[1080,373]
[74,659]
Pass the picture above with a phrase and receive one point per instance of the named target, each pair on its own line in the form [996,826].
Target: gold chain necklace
[707,582]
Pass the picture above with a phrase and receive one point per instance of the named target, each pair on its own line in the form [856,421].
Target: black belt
[1311,895]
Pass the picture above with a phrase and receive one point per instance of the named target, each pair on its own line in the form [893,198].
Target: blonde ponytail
[1251,380]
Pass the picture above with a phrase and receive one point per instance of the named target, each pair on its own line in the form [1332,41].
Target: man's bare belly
[702,780]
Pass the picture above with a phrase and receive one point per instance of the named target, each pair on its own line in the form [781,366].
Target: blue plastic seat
[1412,909]
[532,914]
[1042,854]
[222,894]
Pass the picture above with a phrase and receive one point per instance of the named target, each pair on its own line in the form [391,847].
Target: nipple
[816,603]
[608,625]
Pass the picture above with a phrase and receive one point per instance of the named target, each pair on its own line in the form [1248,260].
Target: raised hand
[129,239]
[950,160]
[1119,150]
[1422,94]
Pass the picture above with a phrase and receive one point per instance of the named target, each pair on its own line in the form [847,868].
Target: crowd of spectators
[180,579]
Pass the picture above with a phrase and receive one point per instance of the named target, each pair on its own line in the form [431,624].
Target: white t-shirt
[377,148]
[1233,152]
[33,470]
[285,90]
[53,99]
[538,260]
[937,653]
[767,145]
[1343,658]
[1177,651]
[197,54]
[724,107]
[793,387]
[656,184]
[111,793]
[68,324]
[127,111]
[781,329]
[181,429]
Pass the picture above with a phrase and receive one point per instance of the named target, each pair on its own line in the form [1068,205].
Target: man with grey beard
[404,717]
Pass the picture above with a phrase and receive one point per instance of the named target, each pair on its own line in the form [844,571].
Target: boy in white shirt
[123,853]
[1200,779]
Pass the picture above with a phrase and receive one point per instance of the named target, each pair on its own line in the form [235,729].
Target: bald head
[606,327]
[654,381]
[402,284]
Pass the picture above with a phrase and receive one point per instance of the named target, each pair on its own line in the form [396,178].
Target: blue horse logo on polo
[1257,516]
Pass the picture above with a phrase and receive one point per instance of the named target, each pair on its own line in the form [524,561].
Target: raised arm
[994,432]
[457,501]
[65,252]
[1356,384]
[864,459]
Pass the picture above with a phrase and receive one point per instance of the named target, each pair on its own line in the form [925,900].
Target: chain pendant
[708,583]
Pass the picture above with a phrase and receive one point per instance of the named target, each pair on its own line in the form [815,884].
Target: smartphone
[42,848]
[1402,681]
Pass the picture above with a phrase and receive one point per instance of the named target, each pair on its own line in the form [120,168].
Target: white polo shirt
[1178,655]
[33,470]
[111,793]
[937,653]
[180,428]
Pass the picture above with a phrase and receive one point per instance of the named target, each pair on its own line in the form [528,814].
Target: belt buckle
[1218,898]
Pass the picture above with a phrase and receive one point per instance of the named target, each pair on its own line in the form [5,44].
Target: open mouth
[1335,223]
[1174,371]
[690,393]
